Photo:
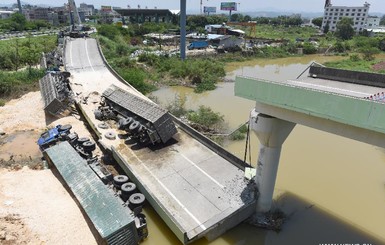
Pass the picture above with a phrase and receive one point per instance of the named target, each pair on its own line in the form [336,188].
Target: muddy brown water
[20,147]
[331,188]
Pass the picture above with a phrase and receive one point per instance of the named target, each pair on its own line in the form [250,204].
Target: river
[331,188]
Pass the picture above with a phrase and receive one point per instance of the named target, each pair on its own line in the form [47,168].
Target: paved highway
[192,188]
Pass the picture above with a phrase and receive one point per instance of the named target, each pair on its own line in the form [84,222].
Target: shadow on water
[305,224]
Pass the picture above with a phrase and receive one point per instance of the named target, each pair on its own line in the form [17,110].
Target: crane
[75,18]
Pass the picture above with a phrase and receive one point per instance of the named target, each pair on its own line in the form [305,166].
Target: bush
[136,77]
[354,57]
[18,83]
[237,135]
[206,117]
[177,107]
[309,48]
[368,53]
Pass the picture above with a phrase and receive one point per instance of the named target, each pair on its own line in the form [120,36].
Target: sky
[243,6]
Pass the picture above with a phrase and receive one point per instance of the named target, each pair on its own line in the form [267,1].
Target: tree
[381,45]
[317,21]
[18,21]
[327,27]
[345,29]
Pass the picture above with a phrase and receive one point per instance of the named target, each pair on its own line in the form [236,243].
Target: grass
[284,32]
[352,63]
[16,84]
[18,52]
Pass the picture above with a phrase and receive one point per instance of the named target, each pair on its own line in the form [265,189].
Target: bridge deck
[195,191]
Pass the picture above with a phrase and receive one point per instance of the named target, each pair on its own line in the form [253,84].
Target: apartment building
[359,15]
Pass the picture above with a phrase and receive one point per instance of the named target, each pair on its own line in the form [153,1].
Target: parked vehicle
[198,45]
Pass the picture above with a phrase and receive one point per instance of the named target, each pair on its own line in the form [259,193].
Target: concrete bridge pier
[271,132]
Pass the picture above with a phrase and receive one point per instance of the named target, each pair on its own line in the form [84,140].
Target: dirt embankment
[35,208]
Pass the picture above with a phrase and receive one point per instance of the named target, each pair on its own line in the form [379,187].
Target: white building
[333,14]
[373,21]
[5,14]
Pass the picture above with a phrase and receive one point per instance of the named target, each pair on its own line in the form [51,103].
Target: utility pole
[183,29]
[19,5]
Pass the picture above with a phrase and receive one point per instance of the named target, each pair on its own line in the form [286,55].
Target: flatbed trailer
[113,222]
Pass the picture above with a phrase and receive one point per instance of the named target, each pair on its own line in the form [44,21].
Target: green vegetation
[117,44]
[206,119]
[19,52]
[345,29]
[239,134]
[177,107]
[17,22]
[357,63]
[15,84]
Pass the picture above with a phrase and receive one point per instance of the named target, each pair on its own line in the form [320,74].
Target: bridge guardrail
[189,130]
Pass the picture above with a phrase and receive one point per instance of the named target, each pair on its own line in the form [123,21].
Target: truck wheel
[89,146]
[82,140]
[136,200]
[98,115]
[121,123]
[135,125]
[66,127]
[128,188]
[119,180]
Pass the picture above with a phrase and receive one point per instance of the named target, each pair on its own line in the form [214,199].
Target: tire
[89,146]
[98,115]
[136,200]
[125,122]
[121,123]
[82,140]
[119,180]
[135,125]
[103,125]
[128,188]
[66,127]
[110,135]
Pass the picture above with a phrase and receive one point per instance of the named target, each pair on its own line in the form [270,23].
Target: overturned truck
[142,119]
[56,93]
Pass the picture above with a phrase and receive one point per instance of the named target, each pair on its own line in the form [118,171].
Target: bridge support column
[271,132]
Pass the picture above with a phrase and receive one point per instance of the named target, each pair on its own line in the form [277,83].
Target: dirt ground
[35,208]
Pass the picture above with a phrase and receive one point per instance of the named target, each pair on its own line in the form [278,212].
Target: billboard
[229,6]
[209,9]
[106,8]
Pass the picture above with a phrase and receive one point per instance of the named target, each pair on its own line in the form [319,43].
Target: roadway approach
[346,103]
[195,186]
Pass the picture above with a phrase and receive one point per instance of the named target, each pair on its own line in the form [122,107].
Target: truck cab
[53,135]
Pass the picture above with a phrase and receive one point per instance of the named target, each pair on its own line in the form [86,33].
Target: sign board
[209,9]
[229,6]
[106,8]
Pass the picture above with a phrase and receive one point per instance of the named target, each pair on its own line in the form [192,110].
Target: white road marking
[88,57]
[214,180]
[172,195]
[310,85]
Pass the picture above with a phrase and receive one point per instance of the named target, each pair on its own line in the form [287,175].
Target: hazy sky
[244,5]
